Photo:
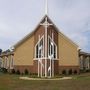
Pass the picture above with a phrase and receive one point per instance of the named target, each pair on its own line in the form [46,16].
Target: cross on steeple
[46,23]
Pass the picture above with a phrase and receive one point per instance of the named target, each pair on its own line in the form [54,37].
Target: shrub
[26,72]
[75,71]
[3,70]
[18,72]
[13,71]
[88,70]
[82,71]
[0,70]
[64,72]
[70,72]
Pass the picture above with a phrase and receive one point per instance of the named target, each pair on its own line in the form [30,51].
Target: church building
[45,51]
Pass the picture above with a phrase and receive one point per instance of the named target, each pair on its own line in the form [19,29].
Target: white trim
[46,48]
[40,64]
[53,56]
[53,48]
[38,56]
[0,62]
[5,62]
[52,40]
[12,62]
[46,24]
[39,40]
[56,52]
[38,68]
[45,58]
[43,46]
[9,62]
[37,44]
[52,68]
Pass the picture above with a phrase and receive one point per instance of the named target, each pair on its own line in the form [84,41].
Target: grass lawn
[12,82]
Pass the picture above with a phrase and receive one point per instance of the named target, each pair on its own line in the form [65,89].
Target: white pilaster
[46,24]
[46,47]
[53,58]
[38,60]
[50,62]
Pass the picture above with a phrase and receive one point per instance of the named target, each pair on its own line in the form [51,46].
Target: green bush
[88,70]
[64,72]
[3,70]
[26,72]
[18,72]
[13,71]
[70,72]
[75,72]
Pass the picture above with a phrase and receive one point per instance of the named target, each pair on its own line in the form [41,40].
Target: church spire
[46,7]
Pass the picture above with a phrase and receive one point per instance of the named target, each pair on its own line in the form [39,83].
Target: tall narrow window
[52,48]
[54,51]
[39,49]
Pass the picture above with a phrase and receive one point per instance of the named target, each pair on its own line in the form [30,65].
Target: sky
[20,17]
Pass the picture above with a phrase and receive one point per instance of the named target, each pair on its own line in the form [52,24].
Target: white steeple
[46,7]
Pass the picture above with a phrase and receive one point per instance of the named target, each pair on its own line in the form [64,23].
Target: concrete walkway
[27,78]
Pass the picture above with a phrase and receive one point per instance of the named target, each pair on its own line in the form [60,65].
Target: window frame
[36,56]
[55,52]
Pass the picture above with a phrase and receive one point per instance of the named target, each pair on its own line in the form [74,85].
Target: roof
[6,53]
[84,53]
[28,35]
[31,33]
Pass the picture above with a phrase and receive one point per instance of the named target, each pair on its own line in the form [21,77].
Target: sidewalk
[27,78]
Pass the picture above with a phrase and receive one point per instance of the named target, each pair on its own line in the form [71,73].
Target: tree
[0,51]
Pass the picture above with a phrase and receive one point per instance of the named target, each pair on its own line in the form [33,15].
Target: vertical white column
[41,62]
[50,61]
[5,62]
[41,67]
[46,24]
[1,62]
[52,68]
[38,58]
[53,57]
[38,68]
[43,54]
[12,62]
[88,61]
[46,48]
